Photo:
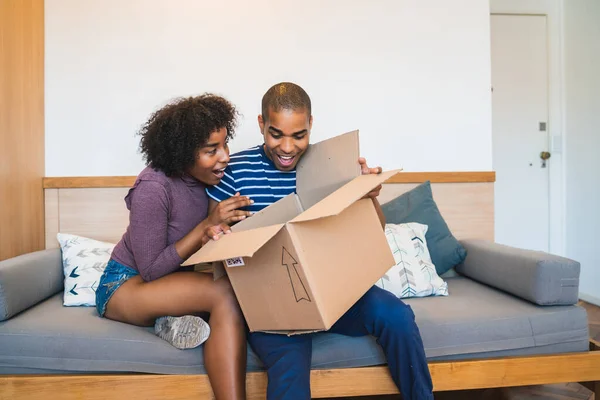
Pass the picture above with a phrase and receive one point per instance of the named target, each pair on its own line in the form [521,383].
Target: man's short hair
[285,96]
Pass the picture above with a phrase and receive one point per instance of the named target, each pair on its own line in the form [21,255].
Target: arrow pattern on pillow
[84,261]
[426,268]
[73,292]
[413,274]
[98,266]
[94,287]
[95,251]
[68,243]
[418,243]
[407,279]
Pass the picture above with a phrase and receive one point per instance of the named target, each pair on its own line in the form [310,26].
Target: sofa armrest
[28,279]
[538,277]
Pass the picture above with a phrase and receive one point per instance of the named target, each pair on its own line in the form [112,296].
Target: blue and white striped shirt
[251,173]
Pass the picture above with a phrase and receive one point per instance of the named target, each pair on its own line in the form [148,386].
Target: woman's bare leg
[225,352]
[184,293]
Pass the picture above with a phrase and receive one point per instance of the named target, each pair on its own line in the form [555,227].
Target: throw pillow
[84,260]
[414,274]
[417,205]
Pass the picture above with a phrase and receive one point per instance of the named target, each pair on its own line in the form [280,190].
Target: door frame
[553,10]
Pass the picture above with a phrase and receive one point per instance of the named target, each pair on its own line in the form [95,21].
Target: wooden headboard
[93,206]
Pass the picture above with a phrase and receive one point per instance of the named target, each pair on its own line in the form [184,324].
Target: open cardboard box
[298,265]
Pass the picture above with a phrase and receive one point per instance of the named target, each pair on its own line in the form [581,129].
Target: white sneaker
[185,332]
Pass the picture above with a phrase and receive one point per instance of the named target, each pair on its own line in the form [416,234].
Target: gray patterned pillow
[413,274]
[84,260]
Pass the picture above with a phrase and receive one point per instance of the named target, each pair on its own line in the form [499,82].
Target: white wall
[413,76]
[582,132]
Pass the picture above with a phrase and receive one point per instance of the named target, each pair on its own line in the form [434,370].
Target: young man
[267,173]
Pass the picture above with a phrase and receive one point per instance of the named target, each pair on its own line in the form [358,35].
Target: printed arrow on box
[298,287]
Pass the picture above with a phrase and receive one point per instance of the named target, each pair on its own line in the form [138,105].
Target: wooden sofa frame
[465,200]
[328,383]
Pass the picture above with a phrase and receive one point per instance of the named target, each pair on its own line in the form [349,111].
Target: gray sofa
[503,302]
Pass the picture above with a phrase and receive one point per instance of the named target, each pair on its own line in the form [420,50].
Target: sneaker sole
[185,332]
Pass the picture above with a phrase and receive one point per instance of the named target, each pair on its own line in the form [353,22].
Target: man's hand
[365,170]
[227,211]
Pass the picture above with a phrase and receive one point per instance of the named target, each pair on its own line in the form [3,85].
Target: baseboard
[589,299]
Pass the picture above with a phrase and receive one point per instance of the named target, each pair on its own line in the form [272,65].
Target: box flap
[279,212]
[327,166]
[293,333]
[345,196]
[237,244]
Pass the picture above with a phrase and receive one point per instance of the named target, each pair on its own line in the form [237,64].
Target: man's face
[286,135]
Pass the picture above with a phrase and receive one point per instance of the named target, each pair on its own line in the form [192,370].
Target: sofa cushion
[418,205]
[51,336]
[477,318]
[474,320]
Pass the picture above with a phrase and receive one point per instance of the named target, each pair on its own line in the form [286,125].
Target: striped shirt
[251,173]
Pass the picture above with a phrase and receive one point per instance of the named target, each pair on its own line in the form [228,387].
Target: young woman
[185,148]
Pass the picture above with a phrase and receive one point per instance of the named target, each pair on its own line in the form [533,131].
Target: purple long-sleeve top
[162,210]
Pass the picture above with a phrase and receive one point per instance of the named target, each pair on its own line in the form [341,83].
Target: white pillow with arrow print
[414,274]
[84,260]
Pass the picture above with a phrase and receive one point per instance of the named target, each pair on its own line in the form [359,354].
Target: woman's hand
[213,232]
[227,211]
[223,214]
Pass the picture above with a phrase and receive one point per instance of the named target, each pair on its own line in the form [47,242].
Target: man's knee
[290,353]
[390,310]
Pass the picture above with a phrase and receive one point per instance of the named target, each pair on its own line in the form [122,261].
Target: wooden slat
[516,371]
[443,177]
[88,182]
[403,177]
[464,375]
[460,375]
[105,387]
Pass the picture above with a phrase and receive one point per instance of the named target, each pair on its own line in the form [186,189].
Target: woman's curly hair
[172,135]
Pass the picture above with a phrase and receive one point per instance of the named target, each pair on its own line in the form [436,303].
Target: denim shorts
[114,276]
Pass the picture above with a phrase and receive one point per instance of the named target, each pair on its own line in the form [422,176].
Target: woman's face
[212,159]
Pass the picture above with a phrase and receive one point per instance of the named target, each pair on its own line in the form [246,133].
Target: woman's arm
[149,218]
[148,221]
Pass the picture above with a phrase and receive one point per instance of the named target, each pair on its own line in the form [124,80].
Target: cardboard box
[301,263]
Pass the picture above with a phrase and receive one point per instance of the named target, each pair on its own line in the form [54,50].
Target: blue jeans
[112,278]
[378,313]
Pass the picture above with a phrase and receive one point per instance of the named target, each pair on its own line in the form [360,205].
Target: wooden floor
[566,391]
